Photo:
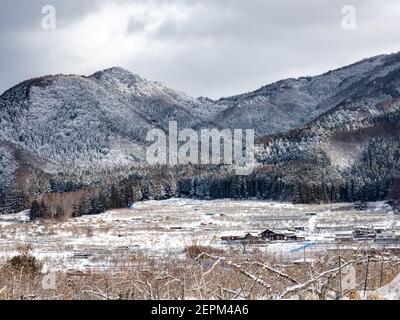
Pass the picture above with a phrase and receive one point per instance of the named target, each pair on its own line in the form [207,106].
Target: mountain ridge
[67,125]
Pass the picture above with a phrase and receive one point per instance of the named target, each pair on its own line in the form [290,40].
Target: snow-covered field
[165,228]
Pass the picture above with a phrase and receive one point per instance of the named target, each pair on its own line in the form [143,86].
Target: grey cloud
[21,14]
[224,48]
[136,25]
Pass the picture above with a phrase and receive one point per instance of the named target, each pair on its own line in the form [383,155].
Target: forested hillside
[72,145]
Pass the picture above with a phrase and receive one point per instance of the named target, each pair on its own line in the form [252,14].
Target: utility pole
[381,277]
[340,278]
[366,275]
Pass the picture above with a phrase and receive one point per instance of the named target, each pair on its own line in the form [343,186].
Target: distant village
[300,233]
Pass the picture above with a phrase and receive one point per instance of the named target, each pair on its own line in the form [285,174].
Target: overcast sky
[204,48]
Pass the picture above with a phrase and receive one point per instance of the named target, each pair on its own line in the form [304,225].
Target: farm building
[252,238]
[290,235]
[380,230]
[364,233]
[386,236]
[231,238]
[280,235]
[272,235]
[247,238]
[344,237]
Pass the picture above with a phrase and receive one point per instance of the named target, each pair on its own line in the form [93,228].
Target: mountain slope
[103,118]
[352,152]
[291,103]
[67,125]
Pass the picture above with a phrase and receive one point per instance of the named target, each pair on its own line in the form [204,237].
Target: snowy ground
[162,228]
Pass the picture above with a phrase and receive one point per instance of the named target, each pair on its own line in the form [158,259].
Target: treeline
[165,183]
[155,184]
[304,177]
[394,195]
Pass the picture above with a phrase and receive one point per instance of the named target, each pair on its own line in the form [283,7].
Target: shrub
[24,262]
[194,251]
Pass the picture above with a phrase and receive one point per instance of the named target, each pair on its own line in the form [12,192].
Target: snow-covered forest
[72,145]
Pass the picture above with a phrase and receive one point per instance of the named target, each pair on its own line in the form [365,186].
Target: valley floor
[156,235]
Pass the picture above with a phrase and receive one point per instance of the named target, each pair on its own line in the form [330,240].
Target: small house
[364,233]
[231,238]
[272,235]
[380,230]
[300,238]
[385,237]
[247,238]
[290,235]
[344,237]
[252,238]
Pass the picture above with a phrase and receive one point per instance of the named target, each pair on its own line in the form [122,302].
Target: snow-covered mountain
[69,124]
[100,118]
[291,103]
